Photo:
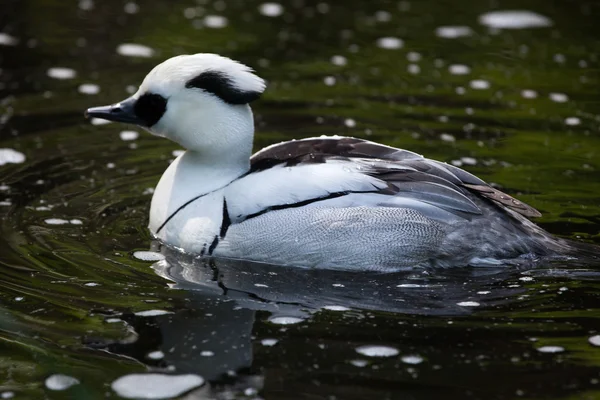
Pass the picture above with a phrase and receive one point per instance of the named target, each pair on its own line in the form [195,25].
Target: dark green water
[74,210]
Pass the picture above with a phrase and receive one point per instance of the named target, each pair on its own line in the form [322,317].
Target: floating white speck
[86,4]
[131,8]
[528,94]
[484,292]
[526,278]
[412,359]
[112,320]
[377,351]
[88,88]
[479,84]
[551,349]
[207,353]
[155,386]
[155,355]
[99,121]
[148,255]
[215,21]
[459,69]
[338,285]
[413,56]
[61,73]
[514,19]
[261,285]
[446,137]
[134,50]
[269,342]
[359,363]
[453,32]
[468,160]
[559,97]
[329,80]
[4,187]
[76,222]
[5,203]
[60,382]
[413,69]
[410,285]
[7,40]
[56,221]
[19,298]
[336,308]
[152,313]
[594,340]
[350,123]
[129,135]
[91,284]
[572,121]
[339,60]
[7,395]
[468,304]
[285,320]
[391,43]
[270,9]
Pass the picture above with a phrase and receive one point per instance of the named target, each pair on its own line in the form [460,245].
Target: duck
[323,202]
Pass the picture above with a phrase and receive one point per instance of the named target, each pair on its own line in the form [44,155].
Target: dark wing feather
[443,183]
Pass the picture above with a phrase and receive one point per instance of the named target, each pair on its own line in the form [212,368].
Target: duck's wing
[403,170]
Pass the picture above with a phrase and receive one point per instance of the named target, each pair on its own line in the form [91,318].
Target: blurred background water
[508,90]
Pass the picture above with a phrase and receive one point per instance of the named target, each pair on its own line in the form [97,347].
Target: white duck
[332,202]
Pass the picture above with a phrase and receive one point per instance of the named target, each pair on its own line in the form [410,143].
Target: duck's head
[199,101]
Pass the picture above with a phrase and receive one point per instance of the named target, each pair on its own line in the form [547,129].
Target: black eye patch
[220,85]
[150,108]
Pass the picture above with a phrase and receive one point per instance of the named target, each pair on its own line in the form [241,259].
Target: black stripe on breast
[305,202]
[213,245]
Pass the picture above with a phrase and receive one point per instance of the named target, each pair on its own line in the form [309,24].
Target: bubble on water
[99,121]
[91,284]
[383,16]
[469,160]
[479,84]
[572,121]
[269,342]
[76,221]
[215,21]
[61,73]
[528,94]
[56,221]
[391,43]
[413,56]
[340,285]
[8,40]
[131,7]
[261,285]
[526,278]
[19,298]
[329,80]
[129,135]
[152,313]
[459,69]
[468,304]
[148,256]
[413,69]
[514,19]
[412,359]
[410,285]
[453,32]
[350,123]
[446,137]
[155,385]
[7,395]
[339,60]
[484,292]
[285,320]
[6,203]
[377,351]
[155,355]
[359,363]
[559,97]
[60,382]
[207,353]
[134,50]
[551,349]
[336,308]
[594,340]
[270,9]
[88,88]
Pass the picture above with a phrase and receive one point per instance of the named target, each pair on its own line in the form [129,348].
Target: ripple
[134,50]
[391,43]
[377,351]
[155,386]
[60,382]
[10,156]
[514,19]
[453,32]
[61,73]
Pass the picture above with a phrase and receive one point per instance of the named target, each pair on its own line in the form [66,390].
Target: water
[84,314]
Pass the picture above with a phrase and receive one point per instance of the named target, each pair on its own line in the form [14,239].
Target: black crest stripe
[221,85]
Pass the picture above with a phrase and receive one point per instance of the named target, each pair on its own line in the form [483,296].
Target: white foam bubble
[479,84]
[551,349]
[131,8]
[377,351]
[391,43]
[215,21]
[359,363]
[336,308]
[285,320]
[99,121]
[270,9]
[152,313]
[468,304]
[269,342]
[572,121]
[514,19]
[61,73]
[559,97]
[329,80]
[148,255]
[155,386]
[155,355]
[459,69]
[7,40]
[453,32]
[56,221]
[134,50]
[350,123]
[528,94]
[412,359]
[207,353]
[88,88]
[339,60]
[91,284]
[446,137]
[129,135]
[60,382]
[594,340]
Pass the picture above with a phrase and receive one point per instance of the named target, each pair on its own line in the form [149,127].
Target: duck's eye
[221,86]
[150,108]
